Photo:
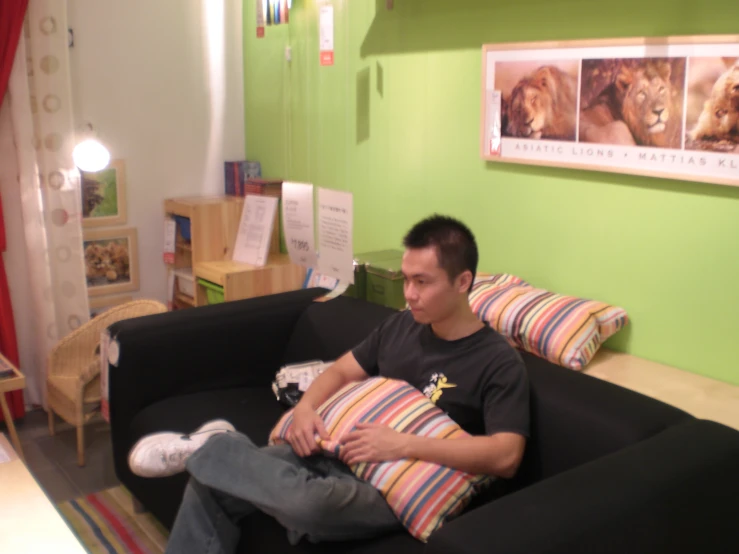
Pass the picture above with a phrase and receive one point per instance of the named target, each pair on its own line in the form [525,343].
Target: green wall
[396,122]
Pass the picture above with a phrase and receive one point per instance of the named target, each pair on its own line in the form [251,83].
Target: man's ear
[464,281]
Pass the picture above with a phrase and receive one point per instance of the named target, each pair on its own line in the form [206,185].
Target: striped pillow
[421,494]
[499,279]
[562,329]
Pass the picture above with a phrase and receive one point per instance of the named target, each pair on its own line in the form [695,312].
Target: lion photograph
[539,99]
[712,111]
[635,102]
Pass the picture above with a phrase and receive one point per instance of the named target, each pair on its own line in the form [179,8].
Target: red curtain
[12,13]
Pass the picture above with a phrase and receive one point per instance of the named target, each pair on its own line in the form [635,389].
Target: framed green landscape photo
[104,196]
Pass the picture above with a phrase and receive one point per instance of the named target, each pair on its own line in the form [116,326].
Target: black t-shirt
[480,380]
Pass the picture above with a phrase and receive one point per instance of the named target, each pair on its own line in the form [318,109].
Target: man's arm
[343,371]
[306,422]
[499,454]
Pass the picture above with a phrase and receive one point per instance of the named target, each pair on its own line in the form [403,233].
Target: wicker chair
[73,381]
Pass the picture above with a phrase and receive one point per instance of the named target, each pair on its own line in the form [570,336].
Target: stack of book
[237,173]
[267,187]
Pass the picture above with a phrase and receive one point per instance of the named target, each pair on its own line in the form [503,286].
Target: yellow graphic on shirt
[436,386]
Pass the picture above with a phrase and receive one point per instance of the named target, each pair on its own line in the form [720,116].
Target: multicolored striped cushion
[422,494]
[563,329]
[499,279]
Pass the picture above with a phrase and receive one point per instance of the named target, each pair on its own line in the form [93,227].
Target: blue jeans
[317,497]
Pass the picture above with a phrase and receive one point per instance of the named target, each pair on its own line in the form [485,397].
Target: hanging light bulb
[90,154]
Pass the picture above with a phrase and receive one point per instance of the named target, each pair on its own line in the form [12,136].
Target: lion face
[530,109]
[729,81]
[719,119]
[647,97]
[542,105]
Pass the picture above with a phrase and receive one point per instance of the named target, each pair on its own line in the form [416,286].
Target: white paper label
[304,382]
[113,353]
[170,233]
[335,224]
[495,123]
[260,19]
[336,292]
[297,220]
[326,35]
[255,230]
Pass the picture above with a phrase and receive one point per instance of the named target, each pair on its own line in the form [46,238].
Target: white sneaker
[164,454]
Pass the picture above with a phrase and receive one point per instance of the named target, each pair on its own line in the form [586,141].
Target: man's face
[427,288]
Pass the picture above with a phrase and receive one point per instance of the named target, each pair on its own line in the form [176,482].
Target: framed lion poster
[661,107]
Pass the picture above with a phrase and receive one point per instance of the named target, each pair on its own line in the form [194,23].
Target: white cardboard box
[185,281]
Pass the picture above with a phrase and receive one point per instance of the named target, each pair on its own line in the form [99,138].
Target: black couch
[607,470]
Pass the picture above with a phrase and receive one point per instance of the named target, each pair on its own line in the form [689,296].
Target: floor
[53,460]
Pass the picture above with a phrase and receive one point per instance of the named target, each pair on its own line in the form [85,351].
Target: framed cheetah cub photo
[111,261]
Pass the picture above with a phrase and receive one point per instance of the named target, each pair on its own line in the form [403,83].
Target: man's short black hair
[455,244]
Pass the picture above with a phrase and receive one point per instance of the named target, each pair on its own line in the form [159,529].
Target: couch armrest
[226,345]
[675,492]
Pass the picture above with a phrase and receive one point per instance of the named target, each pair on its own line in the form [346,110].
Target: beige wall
[162,83]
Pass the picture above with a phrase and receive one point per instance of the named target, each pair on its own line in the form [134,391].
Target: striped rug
[106,523]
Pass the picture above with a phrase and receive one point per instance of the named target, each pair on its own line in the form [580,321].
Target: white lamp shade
[90,155]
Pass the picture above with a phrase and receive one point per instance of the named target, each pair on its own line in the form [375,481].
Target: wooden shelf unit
[214,223]
[247,281]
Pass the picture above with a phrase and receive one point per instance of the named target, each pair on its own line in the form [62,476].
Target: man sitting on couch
[439,346]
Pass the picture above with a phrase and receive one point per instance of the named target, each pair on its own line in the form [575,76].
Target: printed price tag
[170,233]
[335,224]
[260,19]
[326,39]
[297,217]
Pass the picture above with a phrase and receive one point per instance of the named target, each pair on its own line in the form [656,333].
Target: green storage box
[385,283]
[213,292]
[359,288]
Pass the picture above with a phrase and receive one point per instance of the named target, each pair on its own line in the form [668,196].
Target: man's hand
[371,442]
[302,436]
[306,422]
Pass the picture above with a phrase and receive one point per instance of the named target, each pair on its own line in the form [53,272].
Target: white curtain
[41,192]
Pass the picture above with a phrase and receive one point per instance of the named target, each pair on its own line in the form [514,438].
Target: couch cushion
[421,494]
[576,418]
[326,330]
[253,411]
